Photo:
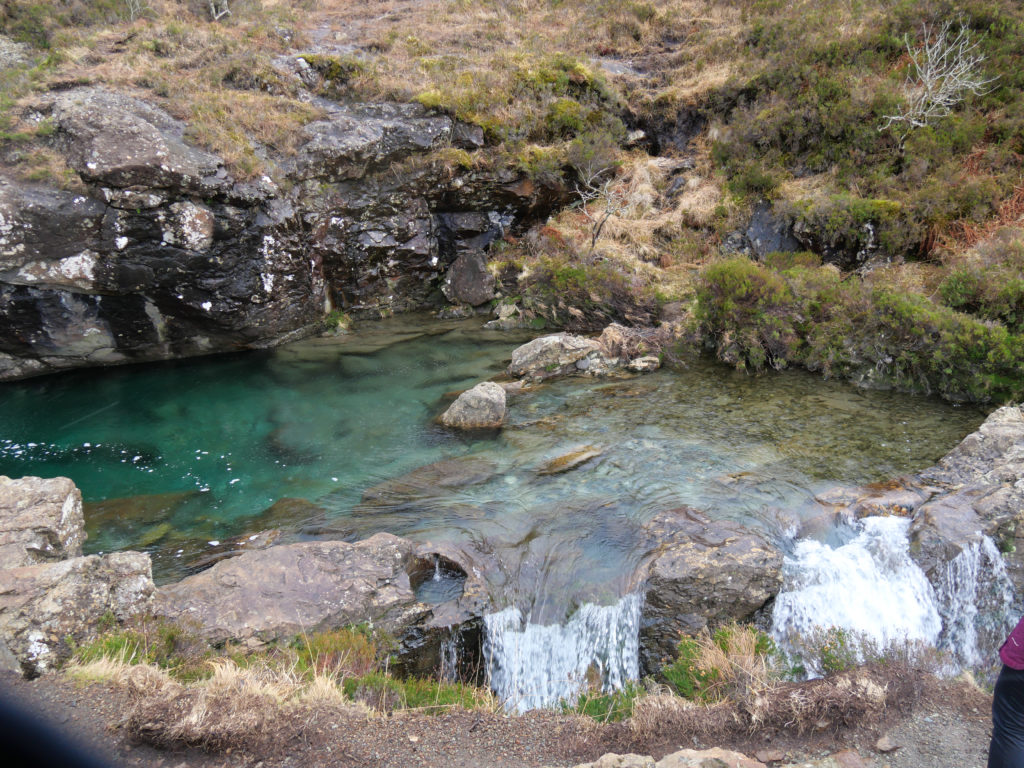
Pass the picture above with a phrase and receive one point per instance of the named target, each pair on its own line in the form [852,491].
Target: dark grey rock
[702,573]
[468,281]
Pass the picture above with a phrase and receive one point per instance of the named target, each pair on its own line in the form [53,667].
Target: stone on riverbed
[554,355]
[570,461]
[482,407]
[40,521]
[703,573]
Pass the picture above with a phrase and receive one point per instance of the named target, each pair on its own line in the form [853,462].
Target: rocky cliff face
[167,255]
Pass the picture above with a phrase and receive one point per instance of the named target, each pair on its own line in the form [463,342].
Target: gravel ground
[947,727]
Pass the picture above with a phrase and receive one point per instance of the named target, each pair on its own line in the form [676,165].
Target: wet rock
[40,521]
[468,281]
[701,573]
[770,755]
[268,595]
[943,527]
[287,512]
[129,516]
[570,461]
[482,407]
[553,355]
[233,547]
[43,607]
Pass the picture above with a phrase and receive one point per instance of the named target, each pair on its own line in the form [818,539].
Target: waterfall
[535,665]
[451,648]
[975,596]
[871,589]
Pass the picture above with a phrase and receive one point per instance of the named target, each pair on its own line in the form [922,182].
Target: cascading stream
[872,590]
[535,665]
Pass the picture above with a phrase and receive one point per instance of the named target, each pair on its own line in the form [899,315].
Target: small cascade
[534,665]
[451,648]
[974,595]
[872,589]
[869,587]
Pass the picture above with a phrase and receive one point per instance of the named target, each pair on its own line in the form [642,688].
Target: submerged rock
[703,573]
[435,479]
[40,521]
[482,407]
[570,461]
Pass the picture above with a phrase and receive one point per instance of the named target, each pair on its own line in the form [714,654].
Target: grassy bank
[674,119]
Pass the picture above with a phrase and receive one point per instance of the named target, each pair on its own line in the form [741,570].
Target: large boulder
[262,596]
[703,573]
[482,407]
[120,141]
[554,355]
[353,139]
[44,609]
[468,281]
[40,521]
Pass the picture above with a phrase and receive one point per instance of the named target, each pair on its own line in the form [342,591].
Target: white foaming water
[536,665]
[975,597]
[450,655]
[872,588]
[869,586]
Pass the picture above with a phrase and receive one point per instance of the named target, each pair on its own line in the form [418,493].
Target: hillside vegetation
[684,116]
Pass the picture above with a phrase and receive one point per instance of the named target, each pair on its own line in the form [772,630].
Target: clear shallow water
[200,451]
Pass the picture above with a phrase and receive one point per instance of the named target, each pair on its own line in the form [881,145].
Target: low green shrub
[606,707]
[755,317]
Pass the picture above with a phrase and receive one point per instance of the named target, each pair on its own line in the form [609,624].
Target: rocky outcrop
[168,255]
[277,593]
[703,573]
[51,596]
[40,521]
[976,489]
[482,407]
[258,597]
[45,609]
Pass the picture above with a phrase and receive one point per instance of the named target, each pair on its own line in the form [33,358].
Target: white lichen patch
[76,271]
[192,226]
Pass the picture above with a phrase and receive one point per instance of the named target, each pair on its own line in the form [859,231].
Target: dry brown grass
[235,707]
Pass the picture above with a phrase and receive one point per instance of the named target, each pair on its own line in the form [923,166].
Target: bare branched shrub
[219,9]
[946,69]
[594,158]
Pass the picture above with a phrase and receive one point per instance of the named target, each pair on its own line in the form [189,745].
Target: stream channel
[176,458]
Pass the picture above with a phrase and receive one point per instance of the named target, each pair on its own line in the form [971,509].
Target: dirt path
[948,727]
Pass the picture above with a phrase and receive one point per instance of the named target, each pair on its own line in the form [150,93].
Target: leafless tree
[135,8]
[600,199]
[219,9]
[594,159]
[946,69]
